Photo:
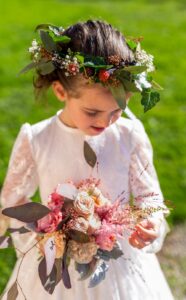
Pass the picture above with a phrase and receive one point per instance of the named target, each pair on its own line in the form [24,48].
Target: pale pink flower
[106,235]
[56,201]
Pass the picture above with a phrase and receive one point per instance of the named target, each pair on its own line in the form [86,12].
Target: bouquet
[79,224]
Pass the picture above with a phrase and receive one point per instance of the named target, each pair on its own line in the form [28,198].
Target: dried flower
[82,253]
[59,240]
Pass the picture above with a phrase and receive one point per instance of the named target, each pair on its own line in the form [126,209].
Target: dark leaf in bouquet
[98,275]
[48,282]
[5,242]
[149,99]
[65,220]
[28,213]
[47,41]
[78,236]
[89,155]
[21,230]
[115,253]
[13,292]
[58,264]
[85,270]
[65,274]
[68,203]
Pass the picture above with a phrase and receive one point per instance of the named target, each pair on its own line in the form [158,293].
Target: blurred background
[163,26]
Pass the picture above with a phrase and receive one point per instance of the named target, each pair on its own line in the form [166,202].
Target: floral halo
[119,75]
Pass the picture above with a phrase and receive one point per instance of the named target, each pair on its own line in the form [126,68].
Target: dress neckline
[65,127]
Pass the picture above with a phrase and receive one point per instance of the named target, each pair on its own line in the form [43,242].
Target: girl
[51,152]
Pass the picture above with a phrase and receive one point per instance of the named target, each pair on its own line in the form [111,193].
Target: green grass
[162,23]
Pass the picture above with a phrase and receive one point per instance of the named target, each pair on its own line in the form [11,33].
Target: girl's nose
[104,121]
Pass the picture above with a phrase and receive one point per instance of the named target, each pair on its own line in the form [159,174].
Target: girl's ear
[59,91]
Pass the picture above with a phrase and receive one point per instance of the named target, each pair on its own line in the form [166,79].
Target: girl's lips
[98,129]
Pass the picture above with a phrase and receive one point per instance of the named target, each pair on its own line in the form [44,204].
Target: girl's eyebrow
[97,110]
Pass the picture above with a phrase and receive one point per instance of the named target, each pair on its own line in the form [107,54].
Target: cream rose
[94,223]
[84,204]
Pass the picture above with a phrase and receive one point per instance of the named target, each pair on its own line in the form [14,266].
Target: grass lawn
[162,23]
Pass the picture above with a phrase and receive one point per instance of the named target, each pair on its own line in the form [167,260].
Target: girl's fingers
[137,242]
[147,233]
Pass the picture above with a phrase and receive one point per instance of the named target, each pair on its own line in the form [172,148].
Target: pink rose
[50,222]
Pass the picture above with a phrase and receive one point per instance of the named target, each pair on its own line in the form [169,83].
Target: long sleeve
[144,183]
[21,180]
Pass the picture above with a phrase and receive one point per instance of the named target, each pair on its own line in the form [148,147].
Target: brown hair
[95,38]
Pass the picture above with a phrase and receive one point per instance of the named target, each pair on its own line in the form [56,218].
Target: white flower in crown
[57,31]
[71,65]
[34,47]
[143,58]
[141,82]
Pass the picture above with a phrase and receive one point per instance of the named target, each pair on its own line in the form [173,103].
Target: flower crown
[119,75]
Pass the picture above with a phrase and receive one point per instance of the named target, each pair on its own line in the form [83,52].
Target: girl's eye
[92,114]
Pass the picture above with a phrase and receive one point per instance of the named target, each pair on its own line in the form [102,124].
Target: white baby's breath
[142,82]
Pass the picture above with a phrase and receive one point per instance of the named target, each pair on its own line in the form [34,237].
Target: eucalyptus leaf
[78,236]
[29,212]
[85,270]
[46,68]
[149,99]
[128,82]
[156,85]
[29,67]
[93,65]
[21,230]
[89,155]
[98,275]
[45,27]
[115,253]
[47,41]
[80,58]
[13,292]
[5,242]
[135,69]
[65,273]
[48,282]
[58,264]
[119,94]
[33,65]
[62,38]
[132,44]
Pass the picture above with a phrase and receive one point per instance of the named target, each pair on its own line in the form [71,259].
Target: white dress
[49,153]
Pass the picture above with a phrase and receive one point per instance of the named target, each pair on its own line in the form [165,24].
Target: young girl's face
[93,111]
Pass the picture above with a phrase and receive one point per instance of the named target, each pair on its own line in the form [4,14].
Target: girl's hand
[146,232]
